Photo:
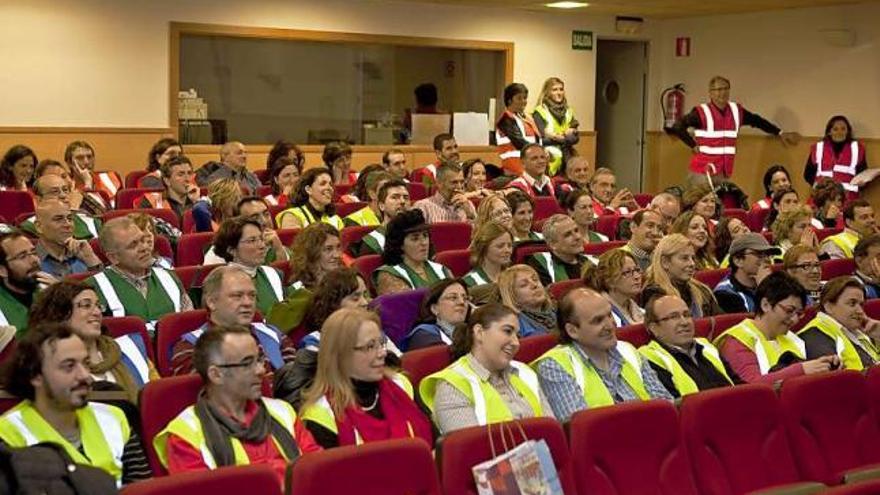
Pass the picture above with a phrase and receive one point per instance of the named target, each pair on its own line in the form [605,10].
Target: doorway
[621,81]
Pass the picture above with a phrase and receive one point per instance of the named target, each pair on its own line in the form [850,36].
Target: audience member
[792,228]
[149,224]
[515,129]
[695,228]
[575,174]
[776,179]
[827,198]
[578,204]
[371,214]
[783,201]
[357,192]
[449,203]
[475,178]
[446,152]
[54,187]
[179,193]
[233,165]
[802,263]
[84,201]
[858,216]
[555,121]
[607,199]
[701,198]
[312,202]
[671,273]
[749,264]
[17,168]
[22,278]
[522,207]
[838,157]
[618,278]
[669,207]
[647,230]
[59,252]
[337,159]
[534,180]
[407,248]
[80,158]
[491,250]
[394,162]
[284,174]
[520,289]
[444,307]
[223,198]
[867,257]
[728,229]
[316,251]
[393,199]
[257,209]
[493,209]
[566,258]
[162,151]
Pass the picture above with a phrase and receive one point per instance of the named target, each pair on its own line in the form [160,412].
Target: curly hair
[275,170]
[774,205]
[338,284]
[224,195]
[784,223]
[826,190]
[158,149]
[300,196]
[26,363]
[706,254]
[229,235]
[768,177]
[694,194]
[55,303]
[398,228]
[282,149]
[609,268]
[307,247]
[723,237]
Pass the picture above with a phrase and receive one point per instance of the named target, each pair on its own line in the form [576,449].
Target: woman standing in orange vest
[514,129]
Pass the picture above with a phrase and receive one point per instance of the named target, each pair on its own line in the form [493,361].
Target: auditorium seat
[264,175]
[365,265]
[161,401]
[756,219]
[191,248]
[460,450]
[831,425]
[809,314]
[711,277]
[349,236]
[15,203]
[188,224]
[287,235]
[558,289]
[636,334]
[457,260]
[634,448]
[128,197]
[607,226]
[446,236]
[864,488]
[722,322]
[872,378]
[737,442]
[399,312]
[193,276]
[129,327]
[340,190]
[546,207]
[643,199]
[417,191]
[419,363]
[169,330]
[391,467]
[161,245]
[345,209]
[531,348]
[79,277]
[703,327]
[821,234]
[160,213]
[837,268]
[737,213]
[523,251]
[600,248]
[872,308]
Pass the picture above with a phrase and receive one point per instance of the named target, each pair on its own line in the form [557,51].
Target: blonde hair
[657,275]
[507,283]
[784,223]
[483,236]
[339,335]
[224,195]
[484,211]
[705,255]
[545,91]
[694,194]
[144,222]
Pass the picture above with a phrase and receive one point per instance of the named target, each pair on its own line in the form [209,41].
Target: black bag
[46,468]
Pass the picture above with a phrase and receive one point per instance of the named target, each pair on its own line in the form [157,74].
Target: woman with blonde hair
[493,208]
[223,198]
[618,278]
[695,227]
[355,398]
[520,289]
[491,251]
[792,228]
[556,123]
[671,272]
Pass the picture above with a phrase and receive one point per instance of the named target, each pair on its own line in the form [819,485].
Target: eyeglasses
[253,241]
[632,272]
[373,346]
[686,316]
[248,363]
[89,305]
[791,311]
[723,88]
[808,266]
[24,255]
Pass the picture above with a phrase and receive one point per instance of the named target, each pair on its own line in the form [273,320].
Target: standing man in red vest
[716,125]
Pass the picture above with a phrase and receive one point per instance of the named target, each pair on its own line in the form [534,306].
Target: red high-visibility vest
[716,139]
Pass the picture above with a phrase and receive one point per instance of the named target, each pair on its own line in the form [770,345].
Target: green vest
[685,385]
[374,241]
[365,217]
[556,128]
[104,431]
[187,427]
[12,312]
[435,272]
[488,405]
[269,287]
[845,347]
[476,277]
[164,292]
[845,240]
[306,218]
[557,270]
[85,227]
[594,391]
[767,351]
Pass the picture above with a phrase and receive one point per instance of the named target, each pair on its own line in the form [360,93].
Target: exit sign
[581,40]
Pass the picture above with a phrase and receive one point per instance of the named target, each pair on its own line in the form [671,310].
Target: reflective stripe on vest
[90,224]
[842,173]
[436,268]
[685,385]
[306,218]
[767,352]
[846,241]
[274,281]
[135,355]
[529,378]
[475,276]
[558,128]
[844,346]
[115,304]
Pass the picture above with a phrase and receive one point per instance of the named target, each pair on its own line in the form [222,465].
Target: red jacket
[716,138]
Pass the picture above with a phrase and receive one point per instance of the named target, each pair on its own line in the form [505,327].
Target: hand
[75,198]
[270,237]
[46,279]
[622,198]
[460,200]
[193,193]
[84,174]
[763,271]
[790,138]
[711,168]
[821,365]
[808,238]
[82,250]
[871,327]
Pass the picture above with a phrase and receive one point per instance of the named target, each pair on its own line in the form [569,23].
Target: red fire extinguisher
[672,103]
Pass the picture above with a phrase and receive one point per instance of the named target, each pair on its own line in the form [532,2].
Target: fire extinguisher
[672,103]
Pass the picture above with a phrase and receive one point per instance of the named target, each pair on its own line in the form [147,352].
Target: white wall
[105,62]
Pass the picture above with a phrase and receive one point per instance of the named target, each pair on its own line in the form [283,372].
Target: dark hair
[209,347]
[832,291]
[336,286]
[229,234]
[426,94]
[249,199]
[439,139]
[45,163]
[841,118]
[777,287]
[300,197]
[650,314]
[386,157]
[165,168]
[360,185]
[333,151]
[825,190]
[432,297]
[281,149]
[469,164]
[570,199]
[774,206]
[768,176]
[391,184]
[159,148]
[463,336]
[72,146]
[512,90]
[275,170]
[849,211]
[398,228]
[723,238]
[860,251]
[565,313]
[13,234]
[447,169]
[26,362]
[639,216]
[55,303]
[14,154]
[516,198]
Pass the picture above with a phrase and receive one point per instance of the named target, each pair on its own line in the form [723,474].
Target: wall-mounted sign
[581,40]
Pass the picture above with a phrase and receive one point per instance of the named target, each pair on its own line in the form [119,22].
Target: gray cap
[753,241]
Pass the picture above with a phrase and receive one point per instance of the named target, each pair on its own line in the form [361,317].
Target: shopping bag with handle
[524,469]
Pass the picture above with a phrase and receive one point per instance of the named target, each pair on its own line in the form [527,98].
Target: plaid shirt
[566,397]
[437,209]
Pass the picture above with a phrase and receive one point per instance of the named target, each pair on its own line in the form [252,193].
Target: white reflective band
[715,134]
[476,391]
[760,352]
[130,349]
[3,321]
[90,224]
[718,150]
[630,355]
[509,154]
[501,140]
[548,263]
[735,109]
[400,271]
[710,122]
[111,429]
[850,187]
[110,295]
[18,422]
[105,179]
[529,377]
[478,279]
[170,287]
[274,281]
[266,330]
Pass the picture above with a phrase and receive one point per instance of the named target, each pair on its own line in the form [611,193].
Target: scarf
[400,416]
[545,317]
[219,430]
[112,362]
[557,110]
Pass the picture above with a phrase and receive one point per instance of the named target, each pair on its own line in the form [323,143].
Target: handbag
[524,469]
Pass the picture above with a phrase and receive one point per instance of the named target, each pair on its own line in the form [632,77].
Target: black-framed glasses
[684,315]
[249,363]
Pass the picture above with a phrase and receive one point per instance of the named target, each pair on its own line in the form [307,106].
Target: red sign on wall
[682,47]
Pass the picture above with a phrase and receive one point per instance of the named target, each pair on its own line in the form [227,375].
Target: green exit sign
[581,40]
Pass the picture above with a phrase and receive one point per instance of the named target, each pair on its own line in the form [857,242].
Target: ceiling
[653,8]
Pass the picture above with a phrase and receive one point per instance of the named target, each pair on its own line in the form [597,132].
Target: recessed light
[567,5]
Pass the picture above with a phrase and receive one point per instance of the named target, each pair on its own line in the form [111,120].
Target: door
[621,78]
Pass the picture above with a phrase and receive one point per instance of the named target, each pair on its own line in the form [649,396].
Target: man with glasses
[230,297]
[22,278]
[684,364]
[534,180]
[54,187]
[393,198]
[715,126]
[131,285]
[232,423]
[590,367]
[867,256]
[59,252]
[647,230]
[763,349]
[180,192]
[749,264]
[256,208]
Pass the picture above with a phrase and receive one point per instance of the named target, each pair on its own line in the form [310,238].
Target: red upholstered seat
[169,330]
[872,308]
[340,190]
[523,251]
[353,235]
[599,248]
[422,362]
[531,348]
[160,213]
[191,248]
[607,226]
[161,401]
[633,448]
[345,209]
[446,236]
[16,203]
[643,200]
[636,334]
[126,197]
[722,322]
[417,191]
[546,207]
[457,260]
[738,213]
[263,175]
[838,268]
[736,440]
[287,235]
[365,265]
[830,424]
[459,451]
[558,289]
[193,276]
[821,234]
[864,488]
[711,277]
[131,326]
[756,219]
[402,466]
[188,224]
[132,178]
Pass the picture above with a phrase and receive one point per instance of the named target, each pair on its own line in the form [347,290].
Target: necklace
[373,405]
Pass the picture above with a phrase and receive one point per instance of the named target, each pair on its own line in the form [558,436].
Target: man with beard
[230,296]
[131,285]
[21,274]
[50,373]
[232,423]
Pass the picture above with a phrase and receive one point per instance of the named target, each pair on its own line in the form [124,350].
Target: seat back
[738,213]
[16,203]
[169,330]
[161,401]
[756,219]
[821,234]
[523,251]
[635,334]
[607,226]
[558,289]
[838,268]
[643,199]
[286,236]
[457,260]
[463,449]
[630,449]
[830,424]
[126,197]
[860,488]
[711,277]
[366,265]
[193,276]
[160,213]
[422,362]
[417,191]
[599,248]
[531,348]
[352,235]
[722,322]
[446,236]
[392,467]
[546,207]
[132,178]
[129,325]
[736,440]
[346,209]
[399,312]
[872,308]
[191,248]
